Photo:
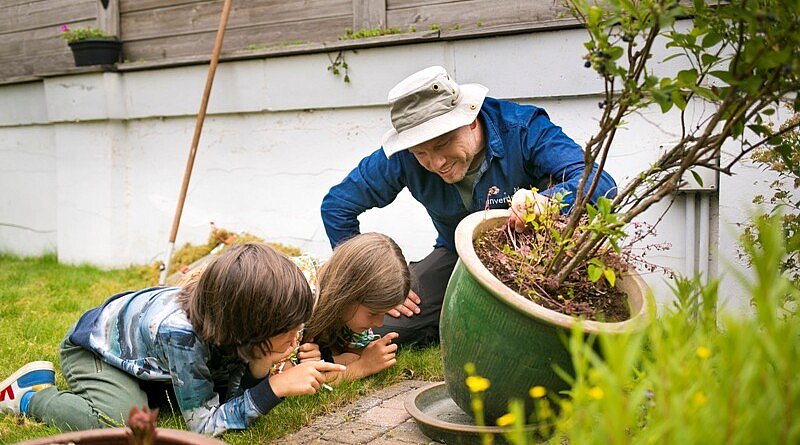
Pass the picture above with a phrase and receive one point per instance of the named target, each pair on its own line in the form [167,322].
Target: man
[450,144]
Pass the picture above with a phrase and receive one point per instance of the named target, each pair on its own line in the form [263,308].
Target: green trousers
[100,396]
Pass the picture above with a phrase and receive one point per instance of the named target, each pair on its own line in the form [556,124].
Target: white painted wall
[92,163]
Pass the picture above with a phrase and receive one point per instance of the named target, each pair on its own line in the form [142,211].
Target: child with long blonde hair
[366,277]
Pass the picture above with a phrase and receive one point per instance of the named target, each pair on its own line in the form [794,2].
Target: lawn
[40,299]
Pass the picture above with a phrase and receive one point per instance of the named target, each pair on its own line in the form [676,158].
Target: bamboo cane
[212,68]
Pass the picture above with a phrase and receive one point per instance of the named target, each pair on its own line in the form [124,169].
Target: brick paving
[378,419]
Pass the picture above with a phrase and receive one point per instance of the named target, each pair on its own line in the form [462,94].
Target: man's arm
[375,182]
[551,153]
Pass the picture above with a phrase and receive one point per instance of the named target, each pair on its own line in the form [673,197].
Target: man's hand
[309,352]
[408,308]
[305,378]
[376,356]
[527,202]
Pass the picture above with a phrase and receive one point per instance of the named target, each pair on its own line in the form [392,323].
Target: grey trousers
[429,279]
[100,396]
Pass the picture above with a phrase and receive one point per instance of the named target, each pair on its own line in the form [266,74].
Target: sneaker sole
[32,366]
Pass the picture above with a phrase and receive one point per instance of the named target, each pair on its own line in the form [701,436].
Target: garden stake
[223,21]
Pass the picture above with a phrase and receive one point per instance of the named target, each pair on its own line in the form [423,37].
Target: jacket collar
[494,144]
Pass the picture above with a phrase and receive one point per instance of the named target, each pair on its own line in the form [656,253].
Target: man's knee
[416,330]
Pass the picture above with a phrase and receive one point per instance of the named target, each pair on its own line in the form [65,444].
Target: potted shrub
[91,46]
[742,63]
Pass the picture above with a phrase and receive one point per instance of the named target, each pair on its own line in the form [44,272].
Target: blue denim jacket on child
[524,149]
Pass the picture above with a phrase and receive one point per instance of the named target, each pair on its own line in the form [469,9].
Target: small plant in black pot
[92,46]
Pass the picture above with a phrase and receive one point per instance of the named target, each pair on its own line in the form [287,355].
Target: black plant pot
[96,51]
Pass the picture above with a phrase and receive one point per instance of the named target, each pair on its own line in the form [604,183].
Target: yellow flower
[537,392]
[703,352]
[506,419]
[596,393]
[477,384]
[699,398]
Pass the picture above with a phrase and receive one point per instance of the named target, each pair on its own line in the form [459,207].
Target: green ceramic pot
[512,341]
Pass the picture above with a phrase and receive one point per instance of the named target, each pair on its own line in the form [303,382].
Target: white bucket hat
[428,104]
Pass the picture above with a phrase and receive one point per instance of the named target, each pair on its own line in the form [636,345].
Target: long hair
[367,269]
[244,297]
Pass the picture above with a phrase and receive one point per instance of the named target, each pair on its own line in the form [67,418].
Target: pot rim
[119,433]
[473,225]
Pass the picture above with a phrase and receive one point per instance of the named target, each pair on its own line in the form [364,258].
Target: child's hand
[378,355]
[260,367]
[309,352]
[305,378]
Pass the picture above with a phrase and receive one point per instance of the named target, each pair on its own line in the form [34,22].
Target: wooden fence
[164,30]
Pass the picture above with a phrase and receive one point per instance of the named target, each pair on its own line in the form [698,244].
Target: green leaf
[697,177]
[615,52]
[687,77]
[595,14]
[709,59]
[594,273]
[751,84]
[680,101]
[724,76]
[610,276]
[761,130]
[711,39]
[673,56]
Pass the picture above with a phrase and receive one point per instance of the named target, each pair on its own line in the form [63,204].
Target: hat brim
[472,96]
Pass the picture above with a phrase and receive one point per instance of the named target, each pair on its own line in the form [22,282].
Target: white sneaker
[17,390]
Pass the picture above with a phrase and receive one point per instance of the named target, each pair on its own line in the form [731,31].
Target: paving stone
[409,433]
[355,433]
[379,418]
[387,441]
[396,402]
[363,405]
[385,417]
[404,387]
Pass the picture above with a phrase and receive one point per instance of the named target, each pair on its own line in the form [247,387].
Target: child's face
[284,344]
[365,318]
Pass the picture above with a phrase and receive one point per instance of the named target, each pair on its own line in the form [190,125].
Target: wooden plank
[369,14]
[32,42]
[399,4]
[13,3]
[108,17]
[32,65]
[162,48]
[291,50]
[51,14]
[202,17]
[142,5]
[476,13]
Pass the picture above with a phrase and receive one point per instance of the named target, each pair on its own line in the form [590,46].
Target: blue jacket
[524,150]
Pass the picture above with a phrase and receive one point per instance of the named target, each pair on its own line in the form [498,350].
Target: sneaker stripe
[36,377]
[23,403]
[7,392]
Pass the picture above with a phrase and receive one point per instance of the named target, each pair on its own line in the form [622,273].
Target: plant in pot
[512,297]
[91,46]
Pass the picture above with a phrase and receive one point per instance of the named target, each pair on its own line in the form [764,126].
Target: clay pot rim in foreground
[476,223]
[164,435]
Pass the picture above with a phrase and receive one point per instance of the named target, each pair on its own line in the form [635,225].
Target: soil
[508,256]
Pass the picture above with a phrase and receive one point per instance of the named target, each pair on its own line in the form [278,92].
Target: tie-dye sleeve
[188,356]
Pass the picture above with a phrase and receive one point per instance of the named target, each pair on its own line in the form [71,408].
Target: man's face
[451,154]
